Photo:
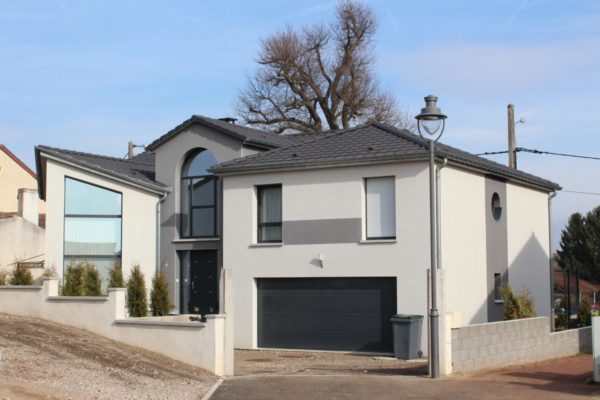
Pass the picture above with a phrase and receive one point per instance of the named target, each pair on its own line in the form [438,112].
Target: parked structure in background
[21,215]
[327,235]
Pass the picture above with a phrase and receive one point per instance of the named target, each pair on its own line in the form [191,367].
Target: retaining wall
[499,344]
[195,343]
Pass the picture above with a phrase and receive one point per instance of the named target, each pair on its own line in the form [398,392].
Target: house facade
[326,235]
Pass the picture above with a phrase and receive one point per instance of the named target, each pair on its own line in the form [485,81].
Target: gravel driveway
[44,360]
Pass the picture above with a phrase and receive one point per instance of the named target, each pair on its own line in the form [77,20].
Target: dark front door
[200,291]
[326,313]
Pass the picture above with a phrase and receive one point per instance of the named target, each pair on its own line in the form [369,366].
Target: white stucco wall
[327,194]
[138,219]
[20,240]
[528,244]
[464,244]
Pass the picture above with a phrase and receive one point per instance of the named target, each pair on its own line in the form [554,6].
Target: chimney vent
[228,120]
[28,205]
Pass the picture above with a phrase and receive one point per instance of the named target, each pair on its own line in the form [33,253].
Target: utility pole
[130,150]
[512,142]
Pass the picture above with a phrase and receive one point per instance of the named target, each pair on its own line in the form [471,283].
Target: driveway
[564,378]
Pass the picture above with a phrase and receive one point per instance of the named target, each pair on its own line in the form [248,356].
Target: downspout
[438,205]
[550,197]
[158,229]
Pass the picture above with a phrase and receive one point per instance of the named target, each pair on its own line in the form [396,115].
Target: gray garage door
[326,313]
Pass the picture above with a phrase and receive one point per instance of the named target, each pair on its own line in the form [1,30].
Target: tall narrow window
[198,196]
[381,208]
[92,226]
[498,288]
[269,213]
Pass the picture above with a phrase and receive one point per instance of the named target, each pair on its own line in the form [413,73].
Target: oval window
[496,206]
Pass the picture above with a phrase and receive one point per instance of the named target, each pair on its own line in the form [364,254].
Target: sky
[92,75]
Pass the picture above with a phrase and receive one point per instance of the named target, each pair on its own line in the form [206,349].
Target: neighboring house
[15,175]
[21,224]
[327,235]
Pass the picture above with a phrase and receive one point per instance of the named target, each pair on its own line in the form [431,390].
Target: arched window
[198,195]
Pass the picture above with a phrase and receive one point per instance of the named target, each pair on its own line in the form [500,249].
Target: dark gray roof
[249,136]
[367,144]
[139,170]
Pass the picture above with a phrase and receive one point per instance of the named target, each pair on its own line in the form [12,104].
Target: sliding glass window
[92,230]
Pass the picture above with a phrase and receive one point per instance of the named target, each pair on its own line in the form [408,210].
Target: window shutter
[381,207]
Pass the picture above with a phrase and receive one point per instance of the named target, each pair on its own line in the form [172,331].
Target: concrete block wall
[500,344]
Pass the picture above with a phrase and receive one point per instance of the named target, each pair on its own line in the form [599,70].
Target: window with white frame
[380,196]
[269,213]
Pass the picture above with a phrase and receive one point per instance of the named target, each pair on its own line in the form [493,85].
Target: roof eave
[53,155]
[284,167]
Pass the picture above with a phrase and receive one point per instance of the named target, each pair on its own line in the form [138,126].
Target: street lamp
[431,124]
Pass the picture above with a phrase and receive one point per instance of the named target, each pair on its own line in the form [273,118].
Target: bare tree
[319,78]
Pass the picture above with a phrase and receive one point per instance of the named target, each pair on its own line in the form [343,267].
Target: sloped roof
[139,170]
[248,136]
[16,159]
[367,144]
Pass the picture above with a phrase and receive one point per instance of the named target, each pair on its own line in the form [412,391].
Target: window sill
[377,241]
[189,240]
[278,244]
[498,301]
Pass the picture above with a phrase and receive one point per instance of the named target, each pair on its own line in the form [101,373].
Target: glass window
[269,213]
[498,287]
[198,196]
[381,208]
[92,226]
[496,206]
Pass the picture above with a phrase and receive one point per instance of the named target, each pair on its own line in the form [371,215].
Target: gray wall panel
[320,231]
[496,244]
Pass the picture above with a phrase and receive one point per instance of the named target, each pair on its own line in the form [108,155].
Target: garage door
[326,313]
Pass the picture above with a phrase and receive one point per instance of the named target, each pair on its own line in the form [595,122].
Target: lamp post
[431,124]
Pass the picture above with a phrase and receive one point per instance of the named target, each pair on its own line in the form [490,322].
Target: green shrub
[92,284]
[517,306]
[160,302]
[74,280]
[3,277]
[585,314]
[116,277]
[49,272]
[21,276]
[137,302]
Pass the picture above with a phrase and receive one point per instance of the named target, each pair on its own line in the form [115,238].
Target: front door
[200,291]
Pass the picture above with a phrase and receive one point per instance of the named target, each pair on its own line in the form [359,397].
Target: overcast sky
[90,75]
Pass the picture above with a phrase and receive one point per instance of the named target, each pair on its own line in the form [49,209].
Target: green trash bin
[407,336]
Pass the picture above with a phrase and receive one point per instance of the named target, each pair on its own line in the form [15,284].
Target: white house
[327,235]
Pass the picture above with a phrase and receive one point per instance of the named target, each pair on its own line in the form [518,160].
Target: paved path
[555,379]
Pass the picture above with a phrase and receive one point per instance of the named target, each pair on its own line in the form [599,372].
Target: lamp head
[431,118]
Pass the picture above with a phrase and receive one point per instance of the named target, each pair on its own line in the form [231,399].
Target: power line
[535,151]
[577,192]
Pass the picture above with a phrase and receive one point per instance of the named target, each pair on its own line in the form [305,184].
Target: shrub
[92,283]
[49,272]
[137,302]
[74,280]
[585,314]
[116,277]
[517,306]
[3,277]
[21,276]
[160,302]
